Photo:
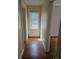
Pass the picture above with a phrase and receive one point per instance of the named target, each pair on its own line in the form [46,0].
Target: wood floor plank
[34,49]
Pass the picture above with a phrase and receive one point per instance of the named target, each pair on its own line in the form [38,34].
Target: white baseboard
[21,54]
[46,49]
[43,45]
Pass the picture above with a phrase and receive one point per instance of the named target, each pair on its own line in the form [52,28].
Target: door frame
[24,24]
[38,8]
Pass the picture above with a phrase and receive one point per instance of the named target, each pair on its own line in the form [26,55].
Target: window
[34,20]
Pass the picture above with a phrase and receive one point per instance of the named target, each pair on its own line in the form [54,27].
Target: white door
[34,22]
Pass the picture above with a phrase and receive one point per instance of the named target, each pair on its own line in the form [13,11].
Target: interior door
[34,22]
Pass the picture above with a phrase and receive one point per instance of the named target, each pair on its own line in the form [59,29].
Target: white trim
[43,45]
[21,54]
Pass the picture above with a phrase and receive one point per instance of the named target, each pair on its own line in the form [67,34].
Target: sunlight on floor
[34,49]
[39,39]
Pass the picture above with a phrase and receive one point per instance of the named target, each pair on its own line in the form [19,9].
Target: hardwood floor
[34,49]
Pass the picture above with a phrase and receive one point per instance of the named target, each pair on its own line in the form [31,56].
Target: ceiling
[40,2]
[34,2]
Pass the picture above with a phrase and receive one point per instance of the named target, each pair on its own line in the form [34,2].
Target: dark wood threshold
[39,37]
[34,37]
[54,36]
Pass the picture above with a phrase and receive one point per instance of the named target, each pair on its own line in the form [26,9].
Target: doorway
[34,22]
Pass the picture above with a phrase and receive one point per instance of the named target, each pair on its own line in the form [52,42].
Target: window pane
[35,20]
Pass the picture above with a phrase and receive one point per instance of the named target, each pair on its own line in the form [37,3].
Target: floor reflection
[34,49]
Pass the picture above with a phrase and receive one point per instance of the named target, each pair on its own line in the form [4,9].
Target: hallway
[35,50]
[38,18]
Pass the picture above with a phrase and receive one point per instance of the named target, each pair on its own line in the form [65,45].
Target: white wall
[23,5]
[44,18]
[20,32]
[55,19]
[20,39]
